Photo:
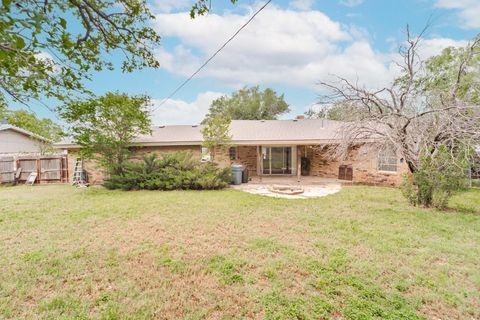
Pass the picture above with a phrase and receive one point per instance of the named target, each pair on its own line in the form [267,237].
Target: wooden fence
[48,168]
[7,169]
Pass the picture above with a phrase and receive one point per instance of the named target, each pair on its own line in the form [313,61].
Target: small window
[387,161]
[233,152]
[206,156]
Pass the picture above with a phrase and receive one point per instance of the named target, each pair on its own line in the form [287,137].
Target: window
[387,160]
[206,156]
[233,152]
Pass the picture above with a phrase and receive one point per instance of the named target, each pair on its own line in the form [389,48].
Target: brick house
[270,148]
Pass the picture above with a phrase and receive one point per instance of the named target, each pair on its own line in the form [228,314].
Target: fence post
[39,177]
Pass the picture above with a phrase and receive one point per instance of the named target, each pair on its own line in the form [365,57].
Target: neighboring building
[17,141]
[271,148]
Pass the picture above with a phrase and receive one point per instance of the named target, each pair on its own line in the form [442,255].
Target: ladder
[79,175]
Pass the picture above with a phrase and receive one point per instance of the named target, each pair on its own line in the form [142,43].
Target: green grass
[362,253]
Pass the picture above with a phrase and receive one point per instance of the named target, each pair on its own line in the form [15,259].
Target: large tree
[432,104]
[44,127]
[249,104]
[48,47]
[105,126]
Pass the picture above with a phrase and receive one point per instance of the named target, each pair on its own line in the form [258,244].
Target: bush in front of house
[438,177]
[170,172]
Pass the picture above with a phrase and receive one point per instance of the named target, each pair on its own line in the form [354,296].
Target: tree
[338,112]
[48,48]
[422,109]
[437,178]
[249,104]
[105,127]
[43,127]
[432,105]
[216,135]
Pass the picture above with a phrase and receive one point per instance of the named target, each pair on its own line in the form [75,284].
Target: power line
[212,56]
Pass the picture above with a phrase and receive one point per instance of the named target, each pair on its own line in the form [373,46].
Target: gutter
[233,142]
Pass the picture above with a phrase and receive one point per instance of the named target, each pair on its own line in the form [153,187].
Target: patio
[314,187]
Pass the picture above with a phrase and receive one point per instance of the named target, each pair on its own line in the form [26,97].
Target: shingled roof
[245,132]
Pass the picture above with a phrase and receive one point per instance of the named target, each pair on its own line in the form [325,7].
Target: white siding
[15,142]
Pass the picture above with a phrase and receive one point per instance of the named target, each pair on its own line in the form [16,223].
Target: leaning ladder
[79,174]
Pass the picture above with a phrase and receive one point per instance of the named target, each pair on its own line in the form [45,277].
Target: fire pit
[286,189]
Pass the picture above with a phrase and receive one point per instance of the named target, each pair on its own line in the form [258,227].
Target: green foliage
[48,48]
[216,134]
[438,177]
[339,111]
[105,126]
[171,172]
[249,104]
[43,127]
[442,73]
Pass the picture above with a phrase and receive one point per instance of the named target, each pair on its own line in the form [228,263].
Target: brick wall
[247,156]
[363,160]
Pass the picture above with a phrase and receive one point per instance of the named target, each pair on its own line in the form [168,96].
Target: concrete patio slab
[311,190]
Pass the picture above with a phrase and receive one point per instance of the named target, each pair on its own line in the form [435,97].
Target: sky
[289,47]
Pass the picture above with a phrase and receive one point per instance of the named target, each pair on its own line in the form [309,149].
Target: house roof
[22,131]
[246,132]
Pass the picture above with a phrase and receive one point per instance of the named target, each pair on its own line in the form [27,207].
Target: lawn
[359,254]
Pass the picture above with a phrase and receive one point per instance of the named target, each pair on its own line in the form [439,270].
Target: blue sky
[289,47]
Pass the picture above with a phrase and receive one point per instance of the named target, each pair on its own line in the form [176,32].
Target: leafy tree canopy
[105,126]
[249,104]
[455,74]
[26,120]
[47,48]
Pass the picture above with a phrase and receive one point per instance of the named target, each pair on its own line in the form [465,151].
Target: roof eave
[233,142]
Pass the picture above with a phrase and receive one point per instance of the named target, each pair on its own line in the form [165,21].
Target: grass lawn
[359,254]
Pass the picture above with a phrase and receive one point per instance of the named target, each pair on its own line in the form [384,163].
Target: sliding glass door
[278,160]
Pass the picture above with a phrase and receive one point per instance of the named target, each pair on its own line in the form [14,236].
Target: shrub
[173,171]
[438,177]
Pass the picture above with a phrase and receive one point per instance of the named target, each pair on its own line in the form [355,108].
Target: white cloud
[351,3]
[281,46]
[303,5]
[468,11]
[432,47]
[182,112]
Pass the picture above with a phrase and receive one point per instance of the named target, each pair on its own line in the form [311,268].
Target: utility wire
[212,56]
